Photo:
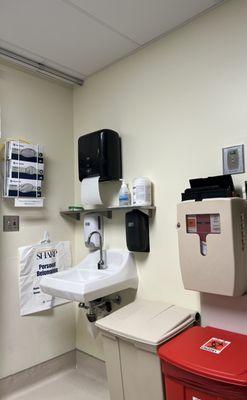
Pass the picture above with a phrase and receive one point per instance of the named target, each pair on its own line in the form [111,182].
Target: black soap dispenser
[137,231]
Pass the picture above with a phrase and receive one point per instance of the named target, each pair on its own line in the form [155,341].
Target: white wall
[39,111]
[175,104]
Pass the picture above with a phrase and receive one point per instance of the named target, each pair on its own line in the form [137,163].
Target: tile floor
[71,384]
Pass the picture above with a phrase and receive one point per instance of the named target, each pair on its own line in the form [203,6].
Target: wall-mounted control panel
[212,245]
[233,160]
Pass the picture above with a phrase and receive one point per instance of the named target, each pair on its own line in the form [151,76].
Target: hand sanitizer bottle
[124,195]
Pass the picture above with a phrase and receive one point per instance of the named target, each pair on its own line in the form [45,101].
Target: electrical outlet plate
[10,223]
[233,160]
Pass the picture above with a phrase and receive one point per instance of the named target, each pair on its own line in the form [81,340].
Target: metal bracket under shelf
[107,212]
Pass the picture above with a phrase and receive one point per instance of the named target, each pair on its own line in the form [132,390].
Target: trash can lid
[147,322]
[209,352]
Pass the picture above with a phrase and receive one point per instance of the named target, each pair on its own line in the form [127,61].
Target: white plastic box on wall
[212,245]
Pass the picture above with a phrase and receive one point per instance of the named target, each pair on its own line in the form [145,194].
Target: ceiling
[81,37]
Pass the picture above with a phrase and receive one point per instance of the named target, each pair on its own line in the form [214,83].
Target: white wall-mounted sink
[85,282]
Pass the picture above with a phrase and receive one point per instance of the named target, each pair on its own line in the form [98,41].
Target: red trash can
[205,364]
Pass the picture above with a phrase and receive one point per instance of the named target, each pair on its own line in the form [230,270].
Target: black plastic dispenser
[99,154]
[137,231]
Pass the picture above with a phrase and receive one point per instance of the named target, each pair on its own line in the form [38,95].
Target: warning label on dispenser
[215,223]
[203,224]
[191,224]
[215,345]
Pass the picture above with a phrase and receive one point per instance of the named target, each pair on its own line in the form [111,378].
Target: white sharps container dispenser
[212,245]
[131,337]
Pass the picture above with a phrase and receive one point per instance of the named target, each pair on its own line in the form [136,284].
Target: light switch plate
[10,223]
[233,160]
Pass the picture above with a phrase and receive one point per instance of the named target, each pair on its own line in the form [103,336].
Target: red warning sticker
[215,345]
[191,224]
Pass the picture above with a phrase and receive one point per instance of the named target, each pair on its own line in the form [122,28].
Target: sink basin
[85,282]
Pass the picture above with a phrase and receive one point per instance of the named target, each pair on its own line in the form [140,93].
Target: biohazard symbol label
[215,345]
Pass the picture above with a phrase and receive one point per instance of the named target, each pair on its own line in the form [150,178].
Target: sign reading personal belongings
[35,262]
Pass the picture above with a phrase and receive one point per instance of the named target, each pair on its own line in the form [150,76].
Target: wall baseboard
[75,359]
[91,366]
[37,373]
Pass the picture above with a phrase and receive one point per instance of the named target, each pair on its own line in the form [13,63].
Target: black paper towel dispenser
[99,154]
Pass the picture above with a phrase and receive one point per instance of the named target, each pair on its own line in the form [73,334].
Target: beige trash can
[131,337]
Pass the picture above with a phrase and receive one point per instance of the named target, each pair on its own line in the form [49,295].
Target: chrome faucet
[101,263]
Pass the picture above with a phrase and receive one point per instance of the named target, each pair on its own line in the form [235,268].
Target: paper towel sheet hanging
[90,192]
